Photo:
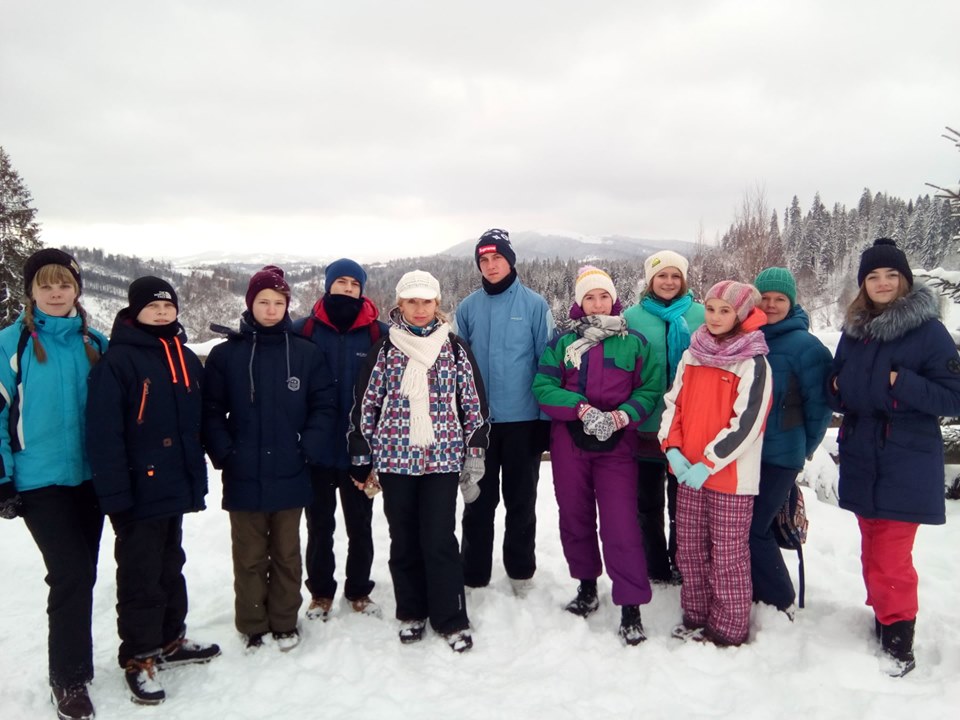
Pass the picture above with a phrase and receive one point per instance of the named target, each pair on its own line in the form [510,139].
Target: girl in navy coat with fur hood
[896,371]
[268,415]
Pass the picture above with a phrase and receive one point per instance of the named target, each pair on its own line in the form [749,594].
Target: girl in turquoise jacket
[45,357]
[666,316]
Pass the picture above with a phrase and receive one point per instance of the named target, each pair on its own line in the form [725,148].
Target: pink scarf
[708,351]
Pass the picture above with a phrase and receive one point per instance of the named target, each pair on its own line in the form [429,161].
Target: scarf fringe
[593,329]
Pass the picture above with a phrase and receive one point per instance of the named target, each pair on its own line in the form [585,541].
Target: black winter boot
[897,642]
[631,629]
[183,651]
[586,602]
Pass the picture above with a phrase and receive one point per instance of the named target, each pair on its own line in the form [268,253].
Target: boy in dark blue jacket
[268,414]
[143,438]
[344,325]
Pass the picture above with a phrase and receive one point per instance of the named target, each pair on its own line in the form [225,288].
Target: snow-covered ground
[530,659]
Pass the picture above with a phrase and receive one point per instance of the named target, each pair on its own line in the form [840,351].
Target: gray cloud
[443,118]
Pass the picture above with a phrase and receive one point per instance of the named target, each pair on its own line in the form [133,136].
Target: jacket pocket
[153,484]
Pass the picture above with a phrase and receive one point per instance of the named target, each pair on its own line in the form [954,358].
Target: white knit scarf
[421,354]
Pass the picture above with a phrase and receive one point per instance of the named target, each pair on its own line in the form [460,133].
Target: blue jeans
[771,579]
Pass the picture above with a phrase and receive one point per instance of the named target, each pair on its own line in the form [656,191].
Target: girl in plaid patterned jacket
[712,433]
[418,429]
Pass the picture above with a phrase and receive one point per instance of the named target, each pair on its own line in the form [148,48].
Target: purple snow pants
[586,482]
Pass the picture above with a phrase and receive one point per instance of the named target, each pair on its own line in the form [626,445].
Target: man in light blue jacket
[507,326]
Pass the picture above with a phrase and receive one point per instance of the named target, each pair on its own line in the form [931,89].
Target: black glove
[10,501]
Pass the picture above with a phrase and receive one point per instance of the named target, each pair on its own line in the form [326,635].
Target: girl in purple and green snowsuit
[598,382]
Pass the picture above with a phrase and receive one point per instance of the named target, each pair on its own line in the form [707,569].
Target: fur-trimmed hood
[903,315]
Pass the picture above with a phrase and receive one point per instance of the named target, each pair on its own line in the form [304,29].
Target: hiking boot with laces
[411,631]
[141,677]
[586,602]
[459,641]
[73,703]
[184,651]
[631,629]
[319,609]
[365,606]
[287,641]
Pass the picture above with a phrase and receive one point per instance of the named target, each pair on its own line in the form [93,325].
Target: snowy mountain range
[528,245]
[538,246]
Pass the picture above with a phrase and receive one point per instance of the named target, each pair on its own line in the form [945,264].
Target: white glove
[592,419]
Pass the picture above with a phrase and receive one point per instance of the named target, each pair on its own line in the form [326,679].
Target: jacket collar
[900,317]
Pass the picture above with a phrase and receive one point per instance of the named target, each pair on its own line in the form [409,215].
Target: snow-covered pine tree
[19,238]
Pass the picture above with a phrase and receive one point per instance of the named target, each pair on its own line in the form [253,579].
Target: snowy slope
[531,659]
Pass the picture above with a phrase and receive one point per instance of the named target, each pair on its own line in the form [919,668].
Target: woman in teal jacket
[798,420]
[666,316]
[45,357]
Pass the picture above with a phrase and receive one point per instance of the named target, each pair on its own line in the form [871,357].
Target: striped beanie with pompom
[741,296]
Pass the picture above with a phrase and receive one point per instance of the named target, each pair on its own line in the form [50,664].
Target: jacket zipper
[143,400]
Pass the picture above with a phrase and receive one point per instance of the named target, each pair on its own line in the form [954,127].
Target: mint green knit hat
[777,279]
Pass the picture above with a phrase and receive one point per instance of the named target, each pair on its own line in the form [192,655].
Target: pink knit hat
[742,297]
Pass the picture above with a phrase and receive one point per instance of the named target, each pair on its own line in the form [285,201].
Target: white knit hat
[664,259]
[418,284]
[593,278]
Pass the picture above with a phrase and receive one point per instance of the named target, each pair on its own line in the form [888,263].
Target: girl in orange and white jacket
[712,433]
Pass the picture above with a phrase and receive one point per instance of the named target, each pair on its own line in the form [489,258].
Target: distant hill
[211,285]
[536,246]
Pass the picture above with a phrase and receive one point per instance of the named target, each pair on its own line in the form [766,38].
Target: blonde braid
[31,327]
[93,355]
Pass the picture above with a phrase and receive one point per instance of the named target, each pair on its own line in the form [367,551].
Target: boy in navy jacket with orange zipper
[143,438]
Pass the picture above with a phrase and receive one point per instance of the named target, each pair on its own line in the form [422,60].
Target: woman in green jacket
[666,315]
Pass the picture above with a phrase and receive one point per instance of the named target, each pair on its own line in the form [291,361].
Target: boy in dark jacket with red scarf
[143,438]
[344,326]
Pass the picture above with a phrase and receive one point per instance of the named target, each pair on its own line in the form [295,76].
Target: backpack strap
[96,341]
[801,578]
[14,415]
[307,329]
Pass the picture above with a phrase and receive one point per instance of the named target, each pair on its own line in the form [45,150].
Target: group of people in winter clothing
[682,426]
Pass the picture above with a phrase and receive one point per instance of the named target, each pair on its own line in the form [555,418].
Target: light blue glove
[695,477]
[678,463]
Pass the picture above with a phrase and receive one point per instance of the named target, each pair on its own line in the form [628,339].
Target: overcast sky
[392,128]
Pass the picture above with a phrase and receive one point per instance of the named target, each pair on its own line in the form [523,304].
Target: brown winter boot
[73,703]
